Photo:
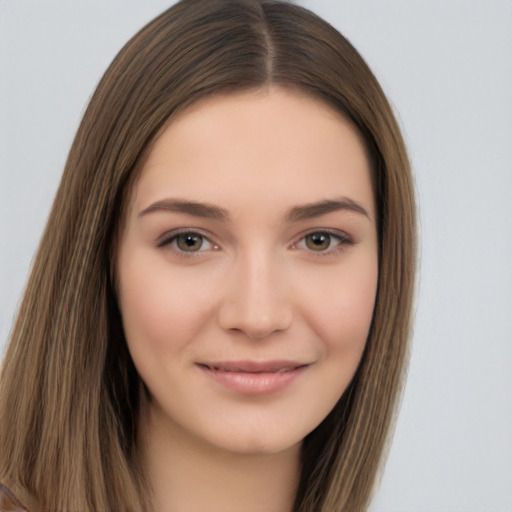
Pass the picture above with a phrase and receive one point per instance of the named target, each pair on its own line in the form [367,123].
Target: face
[248,269]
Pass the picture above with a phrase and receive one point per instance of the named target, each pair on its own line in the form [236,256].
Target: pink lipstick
[254,378]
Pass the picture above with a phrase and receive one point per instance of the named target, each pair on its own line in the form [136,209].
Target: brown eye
[189,242]
[318,241]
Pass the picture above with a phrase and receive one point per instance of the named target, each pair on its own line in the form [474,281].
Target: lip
[254,377]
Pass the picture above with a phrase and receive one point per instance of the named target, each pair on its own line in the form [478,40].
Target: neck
[188,474]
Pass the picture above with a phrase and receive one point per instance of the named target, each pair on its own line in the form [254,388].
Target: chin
[258,445]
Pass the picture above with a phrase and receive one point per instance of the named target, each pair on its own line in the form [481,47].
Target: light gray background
[447,67]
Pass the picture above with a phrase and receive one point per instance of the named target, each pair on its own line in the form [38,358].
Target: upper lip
[253,366]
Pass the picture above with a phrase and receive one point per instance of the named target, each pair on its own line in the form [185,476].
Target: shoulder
[8,502]
[11,501]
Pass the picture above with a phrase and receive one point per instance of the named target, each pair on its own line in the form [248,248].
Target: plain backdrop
[446,66]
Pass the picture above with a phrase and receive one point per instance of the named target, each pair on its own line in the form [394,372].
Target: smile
[254,378]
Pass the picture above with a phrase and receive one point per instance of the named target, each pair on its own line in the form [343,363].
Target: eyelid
[168,239]
[344,239]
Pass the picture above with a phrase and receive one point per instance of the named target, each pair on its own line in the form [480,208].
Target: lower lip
[249,383]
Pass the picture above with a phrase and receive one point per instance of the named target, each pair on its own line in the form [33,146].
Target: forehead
[274,144]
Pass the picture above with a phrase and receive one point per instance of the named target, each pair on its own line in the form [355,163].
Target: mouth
[253,366]
[253,377]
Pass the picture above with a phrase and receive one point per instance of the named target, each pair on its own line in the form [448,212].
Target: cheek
[161,310]
[341,309]
[341,315]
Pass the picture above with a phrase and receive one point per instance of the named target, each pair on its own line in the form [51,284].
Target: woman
[218,314]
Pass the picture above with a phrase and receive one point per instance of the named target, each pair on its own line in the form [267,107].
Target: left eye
[321,241]
[188,242]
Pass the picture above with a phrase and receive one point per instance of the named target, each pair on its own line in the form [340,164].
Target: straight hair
[69,393]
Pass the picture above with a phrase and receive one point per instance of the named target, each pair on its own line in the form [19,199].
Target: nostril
[255,328]
[254,303]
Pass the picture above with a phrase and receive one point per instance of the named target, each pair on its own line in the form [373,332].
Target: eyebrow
[310,211]
[195,208]
[295,214]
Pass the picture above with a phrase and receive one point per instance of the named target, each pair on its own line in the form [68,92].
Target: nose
[256,300]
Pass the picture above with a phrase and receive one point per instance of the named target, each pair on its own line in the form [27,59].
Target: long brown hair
[69,393]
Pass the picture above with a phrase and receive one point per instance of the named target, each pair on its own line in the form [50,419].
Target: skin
[260,278]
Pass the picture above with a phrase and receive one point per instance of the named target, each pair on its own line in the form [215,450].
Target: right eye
[187,242]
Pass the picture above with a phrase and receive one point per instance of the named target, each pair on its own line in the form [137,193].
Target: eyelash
[171,240]
[343,241]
